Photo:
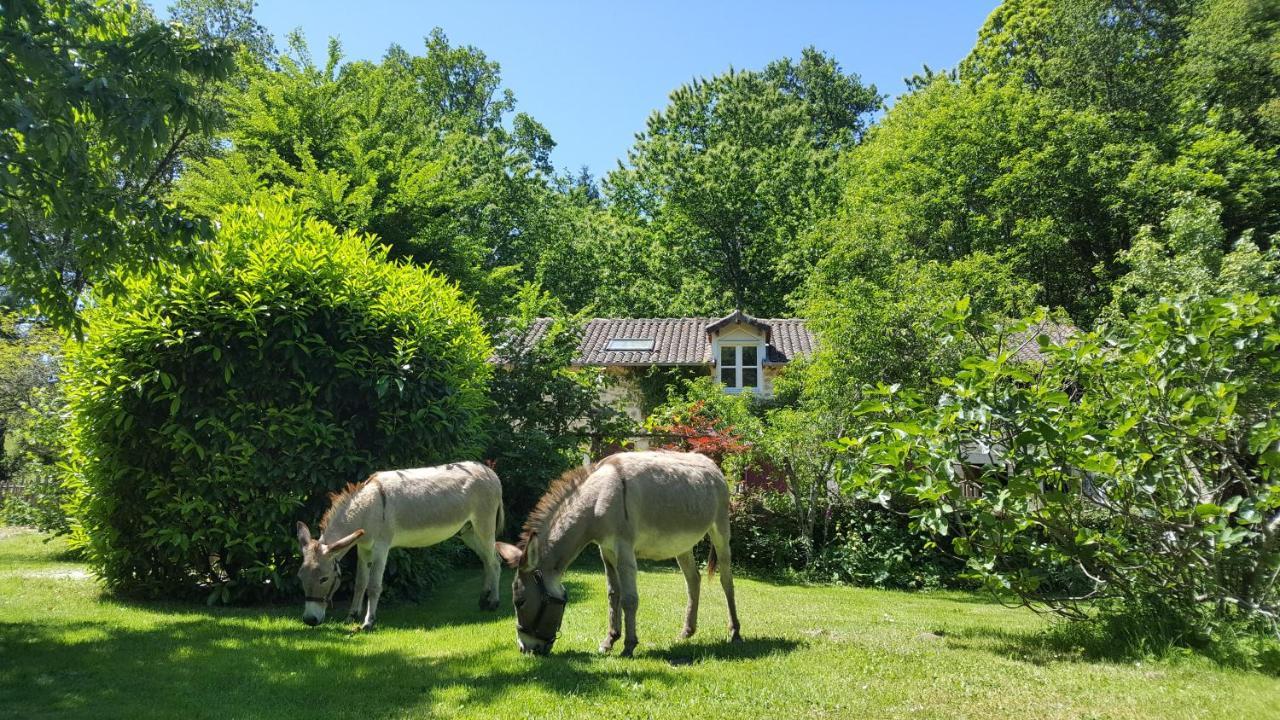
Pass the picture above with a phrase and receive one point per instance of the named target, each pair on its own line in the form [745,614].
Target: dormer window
[740,366]
[632,344]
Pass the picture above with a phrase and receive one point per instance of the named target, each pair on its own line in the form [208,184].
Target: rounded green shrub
[214,403]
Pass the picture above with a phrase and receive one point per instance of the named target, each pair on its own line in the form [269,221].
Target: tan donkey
[652,505]
[400,508]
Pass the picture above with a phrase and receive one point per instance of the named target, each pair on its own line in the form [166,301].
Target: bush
[1138,468]
[35,466]
[872,546]
[214,404]
[763,535]
[857,543]
[701,417]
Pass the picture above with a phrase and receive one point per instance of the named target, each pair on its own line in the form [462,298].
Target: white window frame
[738,367]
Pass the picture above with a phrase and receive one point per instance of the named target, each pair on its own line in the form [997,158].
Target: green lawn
[68,652]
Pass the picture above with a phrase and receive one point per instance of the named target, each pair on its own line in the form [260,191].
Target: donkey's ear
[304,534]
[344,543]
[530,558]
[510,554]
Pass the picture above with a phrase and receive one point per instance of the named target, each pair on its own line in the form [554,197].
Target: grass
[67,651]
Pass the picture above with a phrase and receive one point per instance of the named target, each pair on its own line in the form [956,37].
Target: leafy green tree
[797,444]
[875,316]
[226,22]
[412,149]
[96,102]
[216,403]
[1118,57]
[729,175]
[955,169]
[1185,258]
[1058,193]
[1136,470]
[1231,68]
[542,407]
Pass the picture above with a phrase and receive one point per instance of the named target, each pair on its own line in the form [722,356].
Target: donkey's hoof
[489,604]
[366,627]
[735,638]
[687,633]
[628,651]
[606,645]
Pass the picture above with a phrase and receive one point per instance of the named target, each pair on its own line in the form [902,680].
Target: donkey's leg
[380,552]
[630,600]
[720,541]
[693,583]
[364,558]
[474,538]
[615,602]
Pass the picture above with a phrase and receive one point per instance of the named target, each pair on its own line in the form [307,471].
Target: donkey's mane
[339,499]
[559,490]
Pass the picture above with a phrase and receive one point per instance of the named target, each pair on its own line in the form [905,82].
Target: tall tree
[729,175]
[96,101]
[1232,67]
[1117,56]
[412,149]
[226,22]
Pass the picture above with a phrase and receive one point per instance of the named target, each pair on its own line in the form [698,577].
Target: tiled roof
[677,341]
[1026,344]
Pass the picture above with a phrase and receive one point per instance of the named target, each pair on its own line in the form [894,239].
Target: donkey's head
[539,598]
[319,571]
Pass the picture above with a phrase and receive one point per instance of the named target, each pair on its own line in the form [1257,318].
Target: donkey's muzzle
[312,621]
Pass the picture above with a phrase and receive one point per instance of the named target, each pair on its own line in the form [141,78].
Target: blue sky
[593,72]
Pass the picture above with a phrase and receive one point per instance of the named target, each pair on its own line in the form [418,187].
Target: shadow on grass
[454,602]
[699,650]
[1069,644]
[207,667]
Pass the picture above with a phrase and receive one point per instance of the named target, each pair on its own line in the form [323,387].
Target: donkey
[653,505]
[400,508]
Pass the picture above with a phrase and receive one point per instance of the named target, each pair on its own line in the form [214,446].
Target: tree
[1187,257]
[728,176]
[1231,69]
[412,149]
[957,168]
[543,407]
[875,314]
[226,22]
[96,101]
[797,442]
[1118,57]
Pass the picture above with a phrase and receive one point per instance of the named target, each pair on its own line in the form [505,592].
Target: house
[745,353]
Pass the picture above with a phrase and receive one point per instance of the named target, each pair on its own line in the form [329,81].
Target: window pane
[728,377]
[749,355]
[629,344]
[726,356]
[749,377]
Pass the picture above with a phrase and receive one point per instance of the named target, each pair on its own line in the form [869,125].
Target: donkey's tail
[502,520]
[711,562]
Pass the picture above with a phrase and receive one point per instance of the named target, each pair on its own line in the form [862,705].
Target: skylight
[630,344]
